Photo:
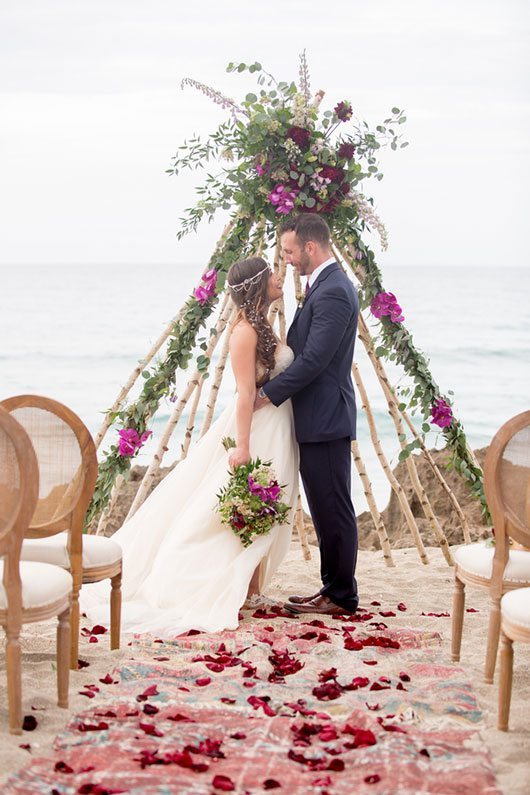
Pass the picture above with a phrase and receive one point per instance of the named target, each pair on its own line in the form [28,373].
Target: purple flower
[131,441]
[386,304]
[344,111]
[207,289]
[283,199]
[441,413]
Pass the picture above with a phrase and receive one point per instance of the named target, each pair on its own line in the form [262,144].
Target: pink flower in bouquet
[283,199]
[386,304]
[441,413]
[207,289]
[346,151]
[300,136]
[131,441]
[344,111]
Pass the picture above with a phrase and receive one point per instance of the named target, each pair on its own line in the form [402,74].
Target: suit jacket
[322,336]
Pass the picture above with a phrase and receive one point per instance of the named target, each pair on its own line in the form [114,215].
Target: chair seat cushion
[477,559]
[42,584]
[515,605]
[97,550]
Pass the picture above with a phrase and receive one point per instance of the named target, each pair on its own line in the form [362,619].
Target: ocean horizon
[76,332]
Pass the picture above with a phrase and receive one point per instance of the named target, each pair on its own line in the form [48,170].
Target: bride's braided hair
[248,282]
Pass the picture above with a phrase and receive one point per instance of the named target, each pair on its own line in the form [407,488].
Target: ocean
[76,332]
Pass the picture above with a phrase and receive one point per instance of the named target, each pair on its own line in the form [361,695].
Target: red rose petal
[93,639]
[387,613]
[401,606]
[27,747]
[370,662]
[375,603]
[238,736]
[62,767]
[257,703]
[223,783]
[373,779]
[150,709]
[82,664]
[228,700]
[30,723]
[98,630]
[180,718]
[107,680]
[472,610]
[92,727]
[437,615]
[203,681]
[150,691]
[404,676]
[150,729]
[161,659]
[271,783]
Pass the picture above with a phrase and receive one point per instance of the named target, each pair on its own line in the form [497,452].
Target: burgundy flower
[344,111]
[346,151]
[237,520]
[332,173]
[300,136]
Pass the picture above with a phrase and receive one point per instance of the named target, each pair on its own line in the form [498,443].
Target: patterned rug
[332,706]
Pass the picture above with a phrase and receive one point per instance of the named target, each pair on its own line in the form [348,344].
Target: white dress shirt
[316,273]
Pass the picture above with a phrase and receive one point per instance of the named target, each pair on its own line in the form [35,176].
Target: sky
[92,112]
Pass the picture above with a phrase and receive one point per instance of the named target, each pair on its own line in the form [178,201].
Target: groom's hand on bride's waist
[261,399]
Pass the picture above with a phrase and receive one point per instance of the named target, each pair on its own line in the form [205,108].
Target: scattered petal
[29,723]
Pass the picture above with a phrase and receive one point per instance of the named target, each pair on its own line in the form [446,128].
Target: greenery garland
[279,154]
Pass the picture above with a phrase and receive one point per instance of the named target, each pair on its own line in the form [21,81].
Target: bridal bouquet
[250,504]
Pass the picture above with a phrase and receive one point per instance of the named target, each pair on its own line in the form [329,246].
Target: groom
[322,336]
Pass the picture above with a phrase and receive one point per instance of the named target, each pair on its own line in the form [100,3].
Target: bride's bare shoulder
[243,334]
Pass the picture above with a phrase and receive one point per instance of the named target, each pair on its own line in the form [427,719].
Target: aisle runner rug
[289,704]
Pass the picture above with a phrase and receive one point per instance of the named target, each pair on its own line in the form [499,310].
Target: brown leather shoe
[320,604]
[300,600]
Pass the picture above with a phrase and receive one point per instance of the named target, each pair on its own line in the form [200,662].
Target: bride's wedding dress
[184,569]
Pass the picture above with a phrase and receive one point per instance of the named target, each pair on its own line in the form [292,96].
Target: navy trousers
[325,468]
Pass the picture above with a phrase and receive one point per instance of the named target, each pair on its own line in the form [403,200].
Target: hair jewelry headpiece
[246,284]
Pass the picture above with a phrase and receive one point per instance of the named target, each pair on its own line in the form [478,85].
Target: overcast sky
[92,111]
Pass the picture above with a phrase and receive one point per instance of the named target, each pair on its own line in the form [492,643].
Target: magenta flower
[207,289]
[441,413]
[386,304]
[257,489]
[131,441]
[344,111]
[273,492]
[283,199]
[262,169]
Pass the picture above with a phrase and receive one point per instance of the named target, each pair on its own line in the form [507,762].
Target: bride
[182,568]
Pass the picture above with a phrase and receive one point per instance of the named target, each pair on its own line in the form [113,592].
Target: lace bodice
[283,357]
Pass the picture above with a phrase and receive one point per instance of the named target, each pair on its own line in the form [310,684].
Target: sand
[422,589]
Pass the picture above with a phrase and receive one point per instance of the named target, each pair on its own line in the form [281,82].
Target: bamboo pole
[396,486]
[193,384]
[301,530]
[219,372]
[409,461]
[372,505]
[107,422]
[389,394]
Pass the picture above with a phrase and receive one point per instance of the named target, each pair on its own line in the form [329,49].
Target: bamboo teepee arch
[314,180]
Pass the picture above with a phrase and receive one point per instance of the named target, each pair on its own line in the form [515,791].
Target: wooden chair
[515,625]
[68,469]
[29,592]
[506,565]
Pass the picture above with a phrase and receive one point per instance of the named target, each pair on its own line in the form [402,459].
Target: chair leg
[459,599]
[74,631]
[505,683]
[494,629]
[14,681]
[63,657]
[115,611]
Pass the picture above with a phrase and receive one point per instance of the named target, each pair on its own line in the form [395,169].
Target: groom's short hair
[308,226]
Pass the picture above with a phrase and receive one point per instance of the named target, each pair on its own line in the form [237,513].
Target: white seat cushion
[42,584]
[477,559]
[97,550]
[515,605]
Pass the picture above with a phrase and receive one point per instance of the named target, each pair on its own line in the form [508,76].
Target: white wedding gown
[184,569]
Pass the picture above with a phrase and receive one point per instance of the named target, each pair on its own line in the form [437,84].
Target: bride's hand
[239,456]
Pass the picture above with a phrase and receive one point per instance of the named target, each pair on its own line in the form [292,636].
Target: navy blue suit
[322,336]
